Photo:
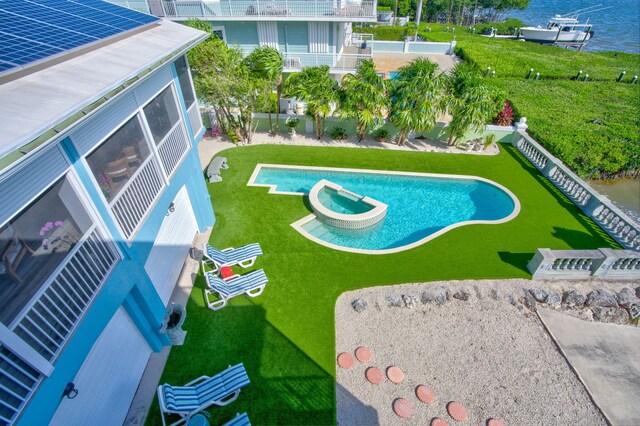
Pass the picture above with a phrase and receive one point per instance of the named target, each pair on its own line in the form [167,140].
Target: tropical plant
[321,93]
[417,98]
[222,80]
[471,103]
[489,140]
[266,63]
[292,124]
[338,133]
[504,117]
[381,134]
[364,97]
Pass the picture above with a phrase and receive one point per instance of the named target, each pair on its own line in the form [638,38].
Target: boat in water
[559,30]
[562,29]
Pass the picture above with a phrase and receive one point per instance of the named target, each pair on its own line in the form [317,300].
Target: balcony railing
[336,62]
[50,319]
[358,39]
[134,200]
[173,147]
[195,120]
[257,10]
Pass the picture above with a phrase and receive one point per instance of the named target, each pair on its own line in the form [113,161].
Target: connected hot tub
[335,206]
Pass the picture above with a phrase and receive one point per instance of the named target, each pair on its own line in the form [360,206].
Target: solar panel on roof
[33,30]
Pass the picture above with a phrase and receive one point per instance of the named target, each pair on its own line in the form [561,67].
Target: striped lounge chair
[195,396]
[251,284]
[244,256]
[239,420]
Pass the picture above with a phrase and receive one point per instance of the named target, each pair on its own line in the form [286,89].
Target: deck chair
[195,396]
[239,420]
[244,256]
[251,284]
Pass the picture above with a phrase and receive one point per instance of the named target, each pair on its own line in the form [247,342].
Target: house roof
[38,102]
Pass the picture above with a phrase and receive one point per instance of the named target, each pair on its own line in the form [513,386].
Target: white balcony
[257,10]
[338,63]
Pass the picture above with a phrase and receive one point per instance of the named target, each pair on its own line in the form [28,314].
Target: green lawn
[285,337]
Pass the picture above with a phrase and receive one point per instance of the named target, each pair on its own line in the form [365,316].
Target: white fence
[256,10]
[358,39]
[614,221]
[424,47]
[195,120]
[582,264]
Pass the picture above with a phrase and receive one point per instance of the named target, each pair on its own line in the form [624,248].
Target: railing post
[521,127]
[541,262]
[602,266]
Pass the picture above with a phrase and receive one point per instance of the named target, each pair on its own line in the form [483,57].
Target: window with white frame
[134,164]
[55,259]
[115,162]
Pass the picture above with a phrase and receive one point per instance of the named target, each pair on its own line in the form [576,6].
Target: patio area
[286,337]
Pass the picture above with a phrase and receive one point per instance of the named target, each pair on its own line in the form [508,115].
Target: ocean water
[617,28]
[418,206]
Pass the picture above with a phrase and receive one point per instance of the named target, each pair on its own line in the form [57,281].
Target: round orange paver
[345,360]
[363,354]
[438,422]
[395,375]
[457,411]
[494,422]
[402,408]
[374,375]
[425,394]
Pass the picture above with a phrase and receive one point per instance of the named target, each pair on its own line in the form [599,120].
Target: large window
[118,158]
[185,82]
[162,114]
[35,242]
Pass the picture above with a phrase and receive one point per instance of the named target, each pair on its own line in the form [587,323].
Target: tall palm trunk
[278,96]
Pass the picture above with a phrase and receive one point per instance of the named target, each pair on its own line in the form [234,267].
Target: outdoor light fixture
[70,391]
[171,209]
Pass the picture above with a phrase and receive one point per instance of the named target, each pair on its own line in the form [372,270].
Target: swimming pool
[421,206]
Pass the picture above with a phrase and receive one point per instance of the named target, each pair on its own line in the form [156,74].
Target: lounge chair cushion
[233,256]
[238,285]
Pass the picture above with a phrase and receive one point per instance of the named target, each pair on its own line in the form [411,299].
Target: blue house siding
[128,285]
[296,38]
[242,34]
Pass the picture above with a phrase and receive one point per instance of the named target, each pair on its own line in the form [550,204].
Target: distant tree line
[457,12]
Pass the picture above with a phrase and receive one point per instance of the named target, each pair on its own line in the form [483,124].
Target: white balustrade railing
[337,62]
[173,148]
[131,204]
[195,119]
[614,221]
[137,5]
[330,10]
[53,314]
[581,264]
[358,39]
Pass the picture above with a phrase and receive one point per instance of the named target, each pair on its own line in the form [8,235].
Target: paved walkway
[386,62]
[606,358]
[209,147]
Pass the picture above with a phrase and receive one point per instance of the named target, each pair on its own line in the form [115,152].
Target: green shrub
[384,32]
[381,134]
[383,9]
[338,133]
[507,27]
[267,104]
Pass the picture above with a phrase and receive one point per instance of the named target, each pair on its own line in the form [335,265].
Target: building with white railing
[306,32]
[101,197]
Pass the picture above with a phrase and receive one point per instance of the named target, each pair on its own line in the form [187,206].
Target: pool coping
[297,225]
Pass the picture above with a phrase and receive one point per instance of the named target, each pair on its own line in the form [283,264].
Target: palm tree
[314,86]
[471,102]
[266,63]
[417,98]
[364,96]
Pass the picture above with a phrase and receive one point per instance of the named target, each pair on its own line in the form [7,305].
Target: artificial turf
[285,337]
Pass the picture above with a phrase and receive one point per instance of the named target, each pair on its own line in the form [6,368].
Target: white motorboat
[559,30]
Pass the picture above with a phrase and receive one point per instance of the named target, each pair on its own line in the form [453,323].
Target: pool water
[332,200]
[419,206]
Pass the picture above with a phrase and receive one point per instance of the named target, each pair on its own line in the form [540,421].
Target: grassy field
[285,337]
[593,126]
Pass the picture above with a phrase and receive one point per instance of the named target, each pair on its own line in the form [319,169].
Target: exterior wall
[128,285]
[293,37]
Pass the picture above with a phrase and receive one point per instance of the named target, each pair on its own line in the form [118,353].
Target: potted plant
[292,124]
[338,133]
[489,140]
[381,134]
[172,324]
